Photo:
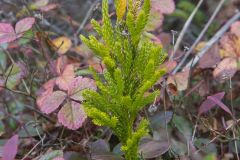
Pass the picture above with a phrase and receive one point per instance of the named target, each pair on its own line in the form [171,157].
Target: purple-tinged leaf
[99,146]
[153,148]
[24,25]
[211,102]
[10,148]
[72,115]
[7,33]
[50,101]
[220,104]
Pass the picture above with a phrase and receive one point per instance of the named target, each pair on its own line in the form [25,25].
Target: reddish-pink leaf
[24,25]
[211,102]
[50,101]
[46,87]
[235,28]
[78,85]
[66,77]
[10,148]
[164,6]
[72,115]
[7,33]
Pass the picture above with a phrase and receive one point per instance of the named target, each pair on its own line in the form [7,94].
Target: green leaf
[183,126]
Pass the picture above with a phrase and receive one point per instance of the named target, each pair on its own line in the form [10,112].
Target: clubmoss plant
[132,68]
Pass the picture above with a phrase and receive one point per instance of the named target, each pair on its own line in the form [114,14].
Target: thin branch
[212,140]
[89,13]
[220,4]
[213,40]
[185,27]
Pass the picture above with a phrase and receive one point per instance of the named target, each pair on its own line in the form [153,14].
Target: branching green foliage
[132,68]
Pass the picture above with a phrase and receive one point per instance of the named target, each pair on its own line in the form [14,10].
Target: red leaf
[210,103]
[7,33]
[78,85]
[24,25]
[10,148]
[72,115]
[66,77]
[50,101]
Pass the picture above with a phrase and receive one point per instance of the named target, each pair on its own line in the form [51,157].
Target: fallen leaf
[99,146]
[50,101]
[153,148]
[230,44]
[210,58]
[235,28]
[72,115]
[10,148]
[63,44]
[180,80]
[160,119]
[225,69]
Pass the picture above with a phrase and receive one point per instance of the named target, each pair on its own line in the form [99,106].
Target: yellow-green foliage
[132,68]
